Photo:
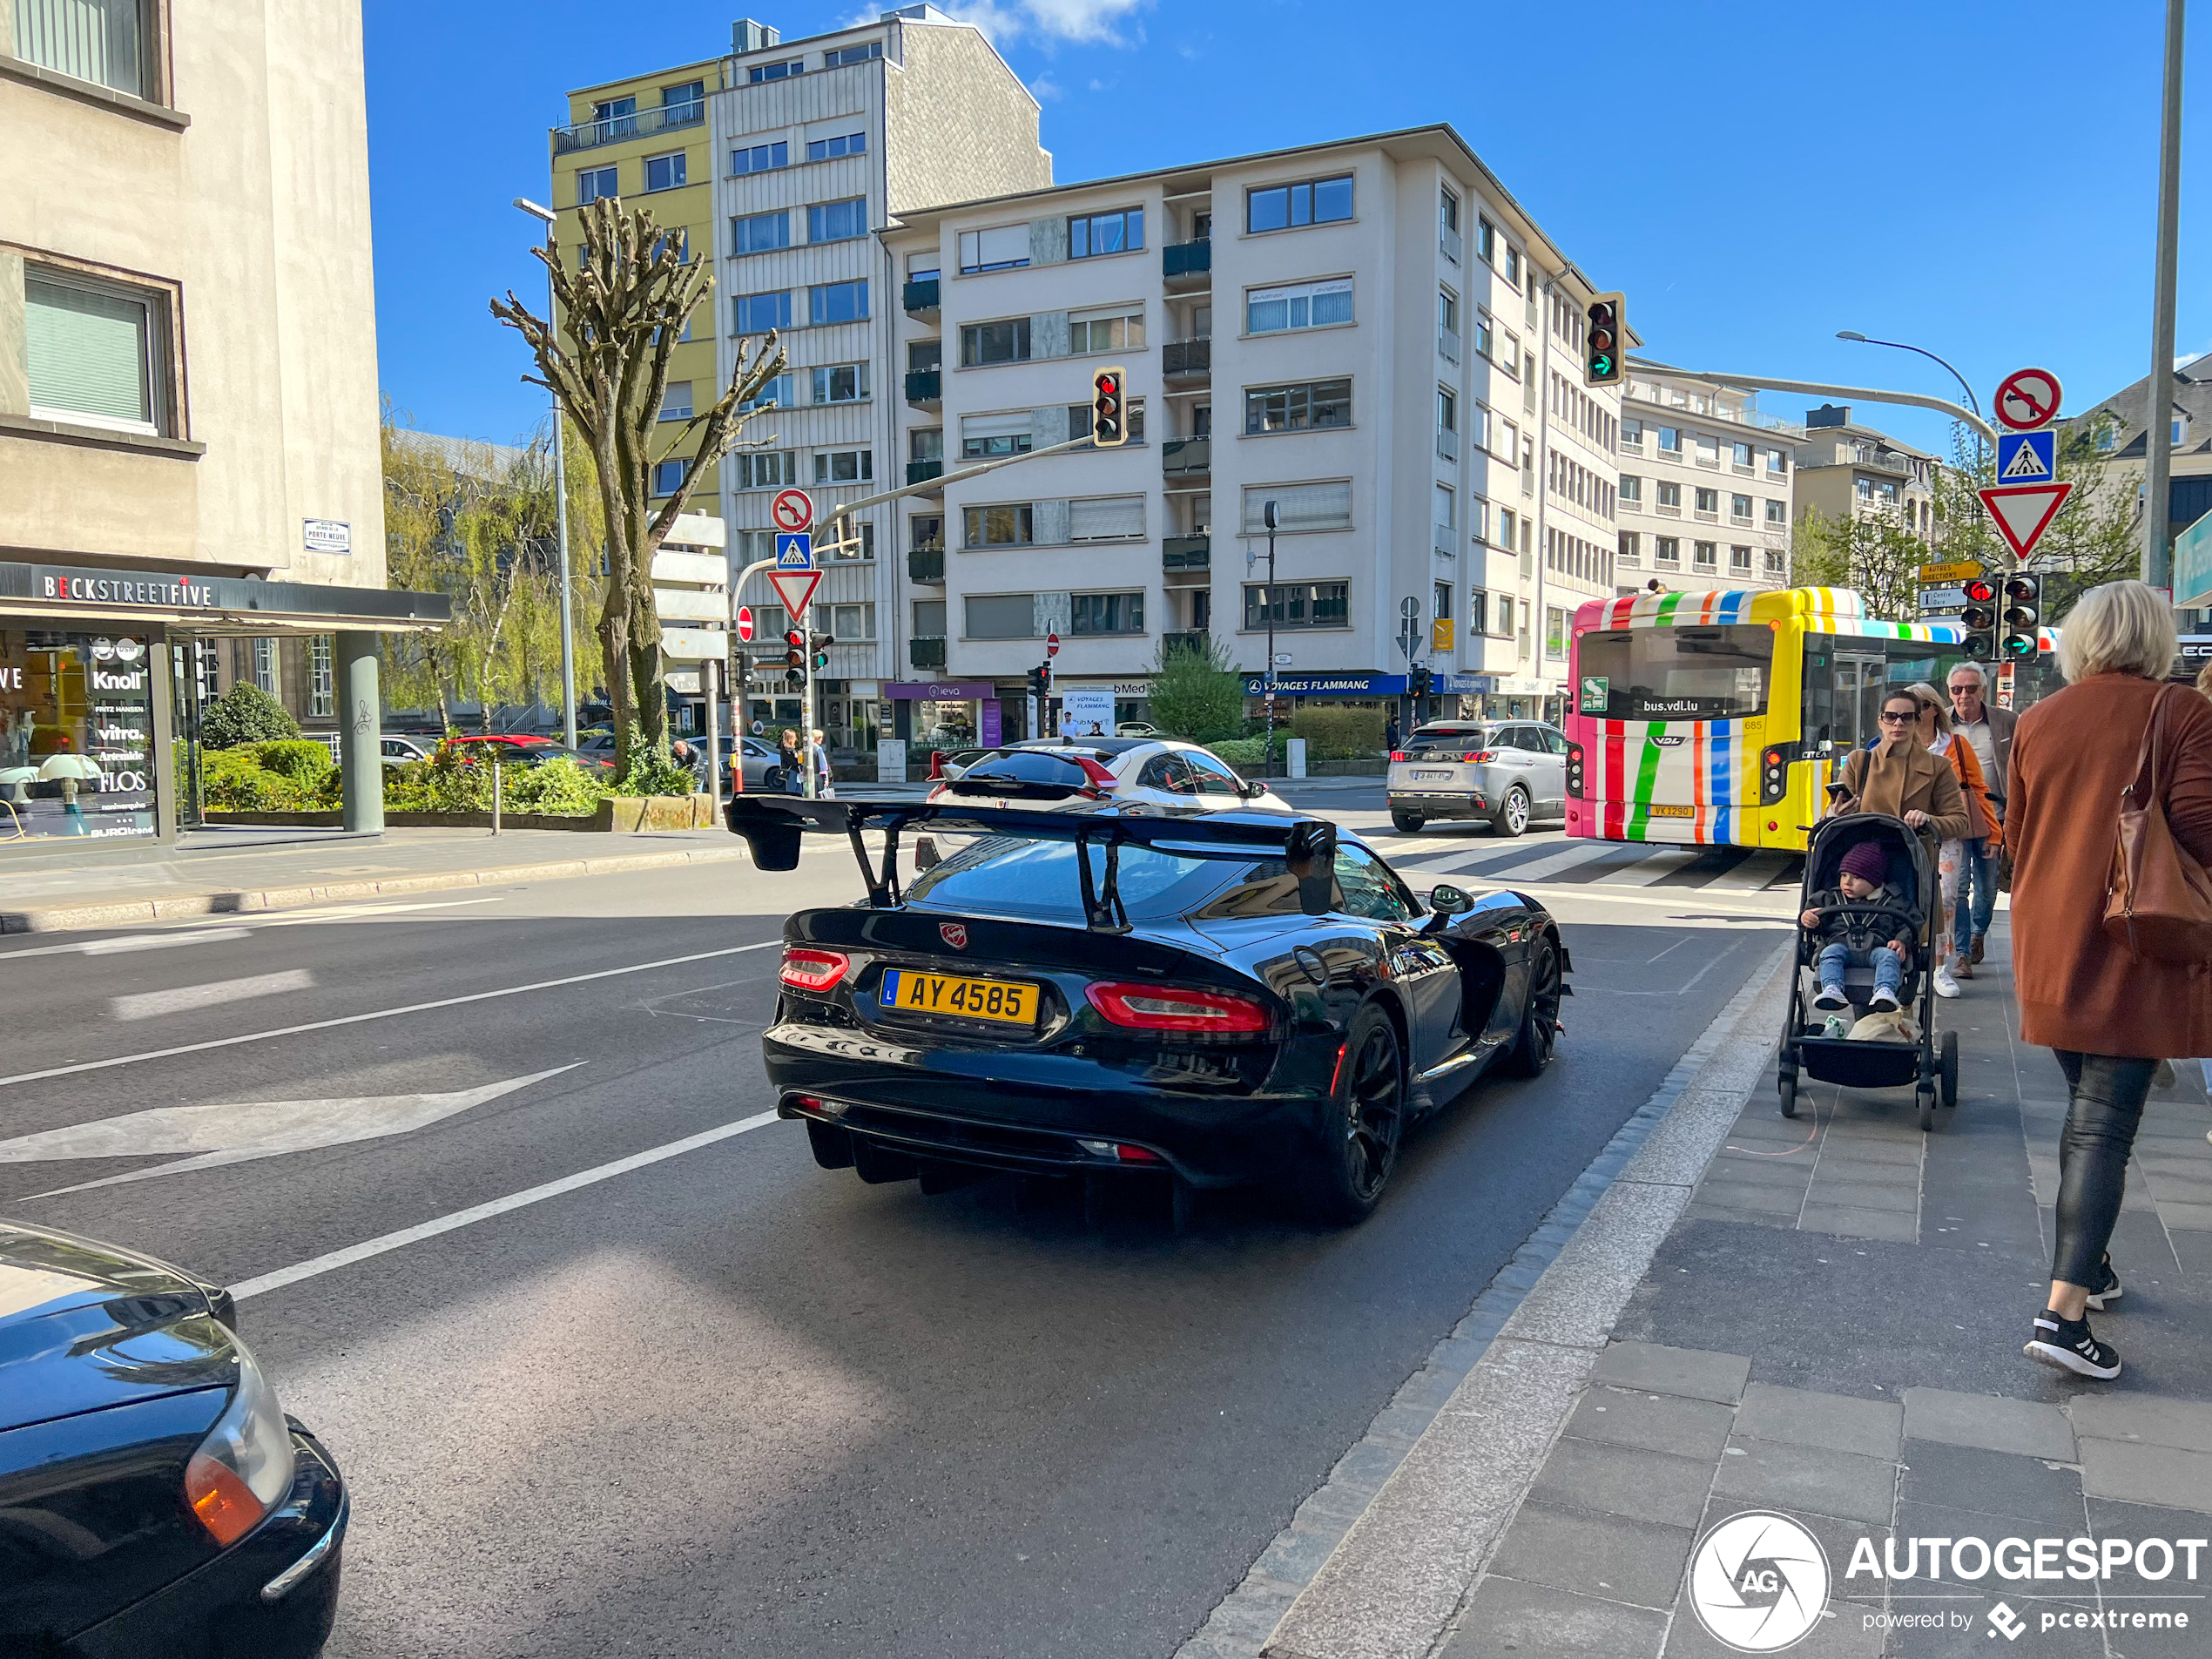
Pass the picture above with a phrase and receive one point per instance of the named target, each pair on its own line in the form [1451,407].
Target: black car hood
[84,1325]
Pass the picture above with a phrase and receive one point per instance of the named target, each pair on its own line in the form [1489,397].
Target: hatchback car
[1165,772]
[1512,772]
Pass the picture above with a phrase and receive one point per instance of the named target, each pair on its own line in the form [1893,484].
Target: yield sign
[796,588]
[2023,512]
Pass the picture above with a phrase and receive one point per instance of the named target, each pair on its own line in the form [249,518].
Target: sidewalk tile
[1971,1636]
[1700,1210]
[2193,1247]
[1622,1481]
[1837,1422]
[1630,1560]
[1889,1154]
[1744,1170]
[1847,1192]
[1952,1521]
[2183,1423]
[1534,1622]
[1807,1477]
[1761,1198]
[2145,1474]
[1853,1222]
[2002,1483]
[1990,1421]
[1693,1428]
[2195,1217]
[1838,1538]
[1842,1633]
[1691,1372]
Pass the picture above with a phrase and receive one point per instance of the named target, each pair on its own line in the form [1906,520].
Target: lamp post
[2158,398]
[561,501]
[1972,402]
[1267,759]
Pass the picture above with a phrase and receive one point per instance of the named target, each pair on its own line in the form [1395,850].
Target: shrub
[559,787]
[1339,734]
[1195,693]
[1247,751]
[302,759]
[246,713]
[233,780]
[651,772]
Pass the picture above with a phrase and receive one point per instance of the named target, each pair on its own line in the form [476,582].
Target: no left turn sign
[792,509]
[2028,399]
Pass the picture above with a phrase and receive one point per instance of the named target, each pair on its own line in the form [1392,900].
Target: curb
[62,918]
[1377,1563]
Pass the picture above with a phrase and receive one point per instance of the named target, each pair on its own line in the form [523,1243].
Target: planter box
[624,814]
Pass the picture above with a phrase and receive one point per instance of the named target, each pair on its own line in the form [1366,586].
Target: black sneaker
[2067,1345]
[2106,1289]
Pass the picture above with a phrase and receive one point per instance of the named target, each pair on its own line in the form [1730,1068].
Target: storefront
[928,715]
[1451,694]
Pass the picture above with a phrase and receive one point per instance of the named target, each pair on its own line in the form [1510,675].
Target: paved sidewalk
[1829,1329]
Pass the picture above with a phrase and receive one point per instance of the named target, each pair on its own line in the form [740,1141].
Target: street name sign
[795,550]
[2023,512]
[796,588]
[1956,570]
[2028,399]
[2027,458]
[792,510]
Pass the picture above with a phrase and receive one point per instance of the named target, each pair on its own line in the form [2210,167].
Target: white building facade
[1706,484]
[1371,334]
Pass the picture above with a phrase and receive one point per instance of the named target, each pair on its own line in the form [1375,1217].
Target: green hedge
[1339,734]
[294,777]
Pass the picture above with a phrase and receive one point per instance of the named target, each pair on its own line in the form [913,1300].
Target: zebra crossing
[1560,863]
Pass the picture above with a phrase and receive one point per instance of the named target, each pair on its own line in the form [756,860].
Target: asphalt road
[725,1402]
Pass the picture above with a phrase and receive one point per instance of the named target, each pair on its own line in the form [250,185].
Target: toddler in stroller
[1858,940]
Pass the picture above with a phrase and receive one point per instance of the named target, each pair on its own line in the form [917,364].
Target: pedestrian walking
[818,757]
[2107,1015]
[793,763]
[1988,731]
[1390,734]
[1897,776]
[1951,959]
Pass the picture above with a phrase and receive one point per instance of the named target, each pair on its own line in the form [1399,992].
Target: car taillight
[1162,1007]
[246,1464]
[1399,754]
[814,970]
[1481,757]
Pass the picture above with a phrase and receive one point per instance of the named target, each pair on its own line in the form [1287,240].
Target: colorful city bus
[1720,718]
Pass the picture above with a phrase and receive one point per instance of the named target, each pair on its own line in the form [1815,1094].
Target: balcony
[921,472]
[1195,639]
[1186,359]
[1189,264]
[1448,344]
[926,651]
[614,129]
[920,296]
[1180,457]
[926,564]
[926,386]
[1186,554]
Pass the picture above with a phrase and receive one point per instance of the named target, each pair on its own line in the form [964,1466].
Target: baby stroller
[1932,1070]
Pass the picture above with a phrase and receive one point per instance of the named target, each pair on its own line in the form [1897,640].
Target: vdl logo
[1758,1582]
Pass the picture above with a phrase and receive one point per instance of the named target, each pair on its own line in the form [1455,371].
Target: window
[1631,491]
[924,356]
[925,444]
[929,619]
[1300,408]
[759,232]
[1320,201]
[1298,507]
[860,54]
[1777,562]
[761,73]
[264,664]
[1093,234]
[1478,518]
[1505,616]
[1478,613]
[1864,488]
[1479,425]
[776,394]
[1739,560]
[1665,549]
[1447,311]
[1106,334]
[1691,673]
[1002,616]
[847,144]
[1109,518]
[1706,556]
[322,678]
[1709,451]
[1001,248]
[984,437]
[1670,440]
[667,475]
[1485,240]
[1669,496]
[1511,435]
[995,342]
[760,157]
[1778,462]
[1631,435]
[844,466]
[1011,525]
[1299,605]
[594,184]
[755,313]
[1449,211]
[1106,613]
[1778,515]
[2180,429]
[764,469]
[1709,503]
[829,302]
[1513,265]
[852,623]
[1306,304]
[1739,510]
[1740,456]
[1631,547]
[1555,634]
[1486,341]
[96,353]
[665,172]
[1443,602]
[675,401]
[684,103]
[1447,411]
[1444,509]
[100,41]
[1506,519]
[838,221]
[842,383]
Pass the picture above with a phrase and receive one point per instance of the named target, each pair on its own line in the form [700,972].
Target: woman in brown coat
[1899,777]
[2109,1017]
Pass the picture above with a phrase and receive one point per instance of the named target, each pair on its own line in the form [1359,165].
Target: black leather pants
[2101,1119]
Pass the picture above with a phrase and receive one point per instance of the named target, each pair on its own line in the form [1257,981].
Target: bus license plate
[1674,811]
[969,999]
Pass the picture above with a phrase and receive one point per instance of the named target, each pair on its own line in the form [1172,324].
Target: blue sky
[1977,178]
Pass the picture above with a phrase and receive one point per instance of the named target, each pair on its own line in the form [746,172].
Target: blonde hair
[2121,628]
[2204,679]
[1928,698]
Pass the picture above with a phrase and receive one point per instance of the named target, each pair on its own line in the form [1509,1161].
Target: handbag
[2158,902]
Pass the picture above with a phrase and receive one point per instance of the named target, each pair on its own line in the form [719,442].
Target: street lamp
[1267,760]
[560,497]
[1972,402]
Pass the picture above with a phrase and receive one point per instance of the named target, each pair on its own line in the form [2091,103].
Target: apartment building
[1705,484]
[190,483]
[1371,335]
[779,161]
[1848,468]
[2123,438]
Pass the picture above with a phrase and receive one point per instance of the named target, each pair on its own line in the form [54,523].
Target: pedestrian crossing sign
[795,550]
[2027,458]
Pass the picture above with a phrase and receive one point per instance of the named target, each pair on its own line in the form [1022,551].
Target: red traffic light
[1980,591]
[1108,408]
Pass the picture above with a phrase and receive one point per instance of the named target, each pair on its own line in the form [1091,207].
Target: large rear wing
[773,826]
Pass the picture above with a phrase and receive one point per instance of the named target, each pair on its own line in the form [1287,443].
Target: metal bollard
[495,796]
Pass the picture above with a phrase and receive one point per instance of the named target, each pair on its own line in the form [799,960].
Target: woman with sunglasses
[1899,778]
[1936,736]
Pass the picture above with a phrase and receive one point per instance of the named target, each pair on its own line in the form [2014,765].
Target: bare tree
[621,315]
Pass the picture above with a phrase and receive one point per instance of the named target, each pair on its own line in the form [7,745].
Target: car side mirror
[1252,789]
[1448,901]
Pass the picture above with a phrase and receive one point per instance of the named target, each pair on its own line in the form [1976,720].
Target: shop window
[76,735]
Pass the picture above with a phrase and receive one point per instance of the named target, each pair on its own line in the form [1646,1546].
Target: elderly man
[1990,730]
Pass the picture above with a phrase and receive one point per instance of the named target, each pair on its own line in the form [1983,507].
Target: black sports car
[1228,998]
[154,1497]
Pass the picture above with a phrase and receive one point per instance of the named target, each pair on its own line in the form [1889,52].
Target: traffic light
[821,643]
[1605,341]
[1417,680]
[1978,618]
[1041,679]
[1108,408]
[794,658]
[2023,617]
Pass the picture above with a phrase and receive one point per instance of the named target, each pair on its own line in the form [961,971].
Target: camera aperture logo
[1758,1582]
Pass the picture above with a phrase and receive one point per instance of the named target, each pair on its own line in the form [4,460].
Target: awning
[212,604]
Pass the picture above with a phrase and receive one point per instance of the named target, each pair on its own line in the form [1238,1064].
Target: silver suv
[1510,771]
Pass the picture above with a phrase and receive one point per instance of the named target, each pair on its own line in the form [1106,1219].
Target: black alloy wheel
[1512,821]
[1368,1116]
[1539,1035]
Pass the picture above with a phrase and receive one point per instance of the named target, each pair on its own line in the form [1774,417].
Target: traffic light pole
[1857,393]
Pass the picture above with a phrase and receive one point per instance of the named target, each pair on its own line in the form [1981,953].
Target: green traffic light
[2020,645]
[1601,364]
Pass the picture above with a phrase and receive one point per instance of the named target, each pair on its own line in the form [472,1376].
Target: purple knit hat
[1867,862]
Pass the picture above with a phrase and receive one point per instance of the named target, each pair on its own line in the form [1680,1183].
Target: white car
[1167,772]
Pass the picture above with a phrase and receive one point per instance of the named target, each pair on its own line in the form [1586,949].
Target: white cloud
[1082,22]
[1045,90]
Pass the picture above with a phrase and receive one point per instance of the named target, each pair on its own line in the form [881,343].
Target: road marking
[1609,892]
[148,1005]
[237,1132]
[379,1014]
[406,1236]
[1662,860]
[132,941]
[1537,869]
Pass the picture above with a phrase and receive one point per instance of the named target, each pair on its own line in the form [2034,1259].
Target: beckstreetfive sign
[115,588]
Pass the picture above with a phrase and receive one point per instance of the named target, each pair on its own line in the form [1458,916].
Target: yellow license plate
[969,999]
[1674,811]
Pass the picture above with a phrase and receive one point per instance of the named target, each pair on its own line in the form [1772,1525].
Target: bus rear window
[1676,673]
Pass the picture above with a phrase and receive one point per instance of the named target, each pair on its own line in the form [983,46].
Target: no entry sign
[2028,398]
[792,509]
[744,622]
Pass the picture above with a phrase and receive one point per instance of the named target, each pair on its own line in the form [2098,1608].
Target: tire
[832,1145]
[1925,1098]
[1365,1119]
[1539,1034]
[1947,1068]
[1788,1090]
[1512,820]
[1408,823]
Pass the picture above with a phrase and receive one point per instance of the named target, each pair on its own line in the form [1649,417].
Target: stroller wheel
[1947,1068]
[1925,1097]
[1789,1091]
